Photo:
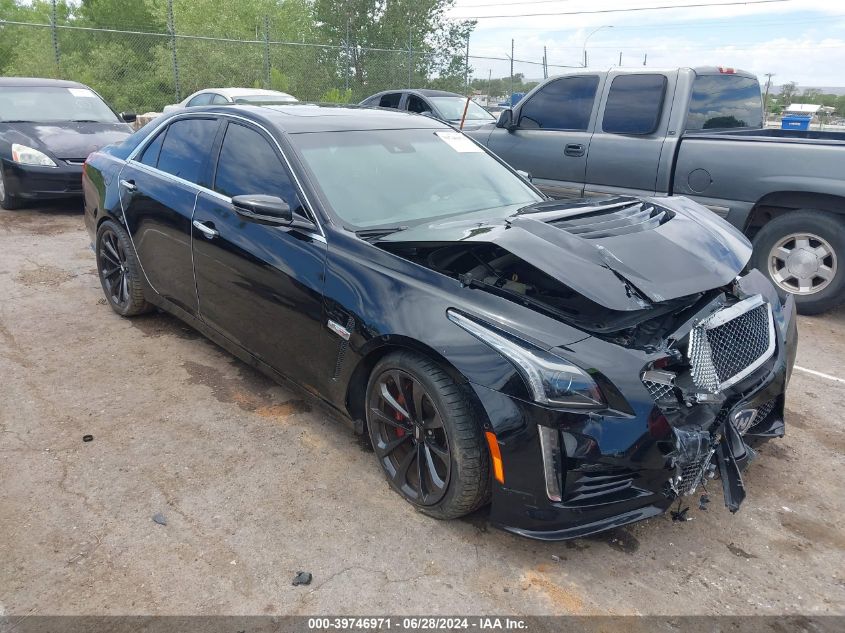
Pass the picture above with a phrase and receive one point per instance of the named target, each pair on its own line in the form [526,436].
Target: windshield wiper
[376,233]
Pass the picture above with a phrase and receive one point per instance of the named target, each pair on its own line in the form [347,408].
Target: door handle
[129,185]
[574,149]
[208,231]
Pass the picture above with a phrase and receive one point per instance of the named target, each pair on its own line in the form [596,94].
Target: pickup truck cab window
[634,104]
[249,165]
[725,101]
[564,104]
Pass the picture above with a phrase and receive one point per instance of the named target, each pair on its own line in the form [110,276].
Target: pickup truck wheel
[803,253]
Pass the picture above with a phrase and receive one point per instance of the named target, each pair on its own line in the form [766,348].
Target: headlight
[553,381]
[24,155]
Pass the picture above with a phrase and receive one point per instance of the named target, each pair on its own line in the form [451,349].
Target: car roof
[425,92]
[39,82]
[245,92]
[298,118]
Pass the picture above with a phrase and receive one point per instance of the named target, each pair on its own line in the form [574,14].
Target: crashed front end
[691,354]
[696,403]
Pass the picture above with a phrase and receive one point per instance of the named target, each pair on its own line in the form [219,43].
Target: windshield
[725,101]
[452,109]
[380,178]
[48,104]
[264,99]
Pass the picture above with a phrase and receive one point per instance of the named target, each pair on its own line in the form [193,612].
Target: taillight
[727,71]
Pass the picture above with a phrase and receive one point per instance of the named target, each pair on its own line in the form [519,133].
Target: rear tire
[119,271]
[7,200]
[803,253]
[431,430]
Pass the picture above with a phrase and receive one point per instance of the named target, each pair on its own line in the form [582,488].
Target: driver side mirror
[263,209]
[128,117]
[506,120]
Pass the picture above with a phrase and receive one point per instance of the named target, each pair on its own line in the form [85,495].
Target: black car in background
[446,106]
[47,129]
[580,365]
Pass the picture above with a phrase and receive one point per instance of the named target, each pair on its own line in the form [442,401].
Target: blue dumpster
[796,122]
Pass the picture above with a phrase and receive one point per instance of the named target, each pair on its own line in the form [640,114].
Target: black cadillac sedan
[579,365]
[47,129]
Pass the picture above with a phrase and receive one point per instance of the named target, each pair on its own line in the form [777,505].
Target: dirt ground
[256,482]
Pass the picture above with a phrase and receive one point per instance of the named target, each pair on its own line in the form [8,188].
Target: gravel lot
[257,481]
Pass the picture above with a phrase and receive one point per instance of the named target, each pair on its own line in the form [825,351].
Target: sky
[797,40]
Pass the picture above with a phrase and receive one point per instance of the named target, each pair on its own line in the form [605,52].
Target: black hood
[65,139]
[622,253]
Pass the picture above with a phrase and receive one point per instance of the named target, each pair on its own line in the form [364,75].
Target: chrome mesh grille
[692,475]
[730,344]
[659,392]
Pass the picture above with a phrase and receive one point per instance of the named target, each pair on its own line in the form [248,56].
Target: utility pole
[545,63]
[766,97]
[510,98]
[620,58]
[645,59]
[466,67]
[348,55]
[489,83]
[410,52]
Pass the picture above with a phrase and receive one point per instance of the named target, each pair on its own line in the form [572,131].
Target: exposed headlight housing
[23,155]
[553,381]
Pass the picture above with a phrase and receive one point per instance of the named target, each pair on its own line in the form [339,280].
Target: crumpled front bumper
[614,470]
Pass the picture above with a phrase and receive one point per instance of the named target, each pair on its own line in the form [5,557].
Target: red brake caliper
[398,416]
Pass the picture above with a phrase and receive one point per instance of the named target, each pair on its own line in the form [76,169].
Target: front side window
[50,104]
[186,147]
[634,104]
[377,178]
[452,109]
[248,165]
[563,104]
[415,104]
[390,100]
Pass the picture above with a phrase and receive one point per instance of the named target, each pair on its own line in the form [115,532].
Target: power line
[629,10]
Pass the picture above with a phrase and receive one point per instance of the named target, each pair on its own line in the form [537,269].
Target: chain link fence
[143,72]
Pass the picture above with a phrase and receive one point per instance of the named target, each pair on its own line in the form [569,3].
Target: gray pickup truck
[695,132]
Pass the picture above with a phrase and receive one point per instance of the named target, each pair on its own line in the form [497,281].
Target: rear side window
[563,104]
[390,100]
[634,104]
[150,155]
[725,101]
[200,100]
[186,147]
[249,165]
[219,100]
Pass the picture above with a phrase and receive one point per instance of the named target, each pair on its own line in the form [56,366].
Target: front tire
[803,253]
[119,271]
[425,436]
[7,200]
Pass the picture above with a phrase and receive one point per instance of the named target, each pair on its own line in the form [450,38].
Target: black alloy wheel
[425,438]
[118,270]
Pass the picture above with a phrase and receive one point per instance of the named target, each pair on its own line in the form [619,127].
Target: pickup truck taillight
[727,71]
